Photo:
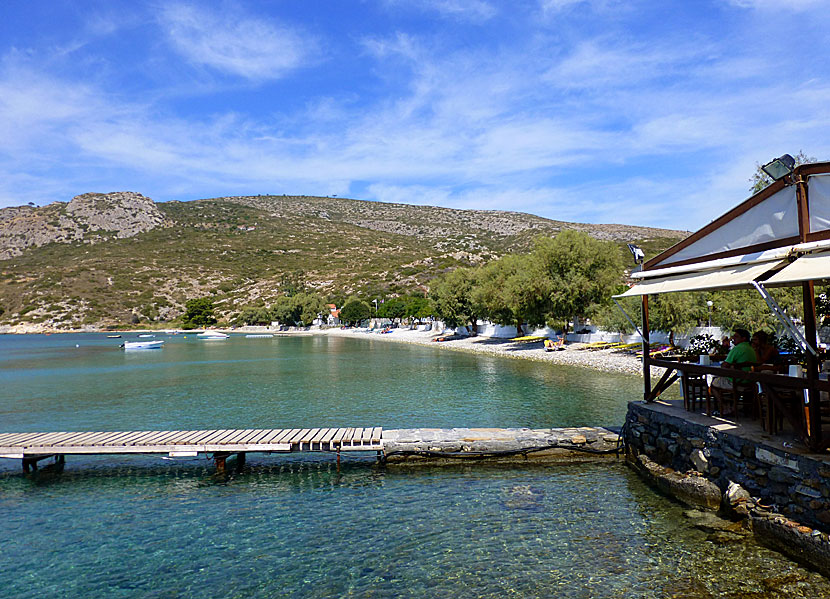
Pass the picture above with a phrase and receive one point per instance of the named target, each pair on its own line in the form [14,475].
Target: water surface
[297,526]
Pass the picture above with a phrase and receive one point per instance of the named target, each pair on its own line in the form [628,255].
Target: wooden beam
[646,352]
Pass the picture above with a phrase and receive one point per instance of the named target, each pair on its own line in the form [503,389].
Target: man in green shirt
[741,356]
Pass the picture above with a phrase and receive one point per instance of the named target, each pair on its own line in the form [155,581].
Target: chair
[695,390]
[775,401]
[746,393]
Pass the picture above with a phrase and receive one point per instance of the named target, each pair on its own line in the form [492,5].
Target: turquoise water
[283,382]
[138,526]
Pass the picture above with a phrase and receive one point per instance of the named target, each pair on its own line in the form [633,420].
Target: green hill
[109,259]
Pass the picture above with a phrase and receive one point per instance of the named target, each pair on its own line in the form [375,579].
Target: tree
[418,307]
[676,312]
[452,296]
[198,313]
[584,273]
[610,318]
[393,309]
[308,306]
[255,315]
[514,290]
[746,308]
[285,311]
[759,179]
[354,312]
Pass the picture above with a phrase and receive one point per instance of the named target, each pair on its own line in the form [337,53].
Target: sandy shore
[572,355]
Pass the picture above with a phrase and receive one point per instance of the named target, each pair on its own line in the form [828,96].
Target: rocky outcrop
[88,218]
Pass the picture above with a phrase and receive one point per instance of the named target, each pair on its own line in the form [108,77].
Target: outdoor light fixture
[779,167]
[638,254]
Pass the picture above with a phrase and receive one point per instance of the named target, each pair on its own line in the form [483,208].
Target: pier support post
[240,461]
[219,459]
[30,463]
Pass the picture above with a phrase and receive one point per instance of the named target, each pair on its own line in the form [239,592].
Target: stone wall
[797,485]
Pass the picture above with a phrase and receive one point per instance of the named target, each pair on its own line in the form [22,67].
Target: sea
[303,526]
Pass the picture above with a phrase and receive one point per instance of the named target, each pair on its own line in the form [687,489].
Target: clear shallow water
[49,383]
[138,526]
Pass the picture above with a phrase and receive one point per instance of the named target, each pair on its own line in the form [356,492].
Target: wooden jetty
[33,447]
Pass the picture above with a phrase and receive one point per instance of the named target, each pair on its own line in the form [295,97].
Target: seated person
[767,353]
[551,345]
[740,356]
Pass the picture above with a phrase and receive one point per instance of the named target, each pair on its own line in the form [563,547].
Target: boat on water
[113,336]
[259,336]
[212,335]
[146,336]
[142,344]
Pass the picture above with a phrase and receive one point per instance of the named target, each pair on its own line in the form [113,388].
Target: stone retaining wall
[788,499]
[798,485]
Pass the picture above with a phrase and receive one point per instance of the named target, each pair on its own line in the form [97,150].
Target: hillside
[112,259]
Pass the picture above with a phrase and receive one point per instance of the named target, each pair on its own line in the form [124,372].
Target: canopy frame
[700,253]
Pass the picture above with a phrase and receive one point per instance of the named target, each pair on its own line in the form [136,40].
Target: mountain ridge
[120,258]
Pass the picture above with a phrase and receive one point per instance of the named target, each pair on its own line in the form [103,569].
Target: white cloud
[475,11]
[252,48]
[778,5]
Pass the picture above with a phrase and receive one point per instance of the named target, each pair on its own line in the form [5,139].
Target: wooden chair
[738,394]
[696,391]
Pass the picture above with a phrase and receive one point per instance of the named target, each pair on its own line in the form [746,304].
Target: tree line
[565,279]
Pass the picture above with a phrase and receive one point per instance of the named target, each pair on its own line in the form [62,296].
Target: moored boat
[212,335]
[142,344]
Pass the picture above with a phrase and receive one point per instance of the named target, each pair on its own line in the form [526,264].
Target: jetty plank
[190,442]
[273,436]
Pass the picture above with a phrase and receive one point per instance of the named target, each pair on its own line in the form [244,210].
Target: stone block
[781,475]
[807,491]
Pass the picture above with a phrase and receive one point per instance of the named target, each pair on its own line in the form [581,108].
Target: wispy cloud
[778,5]
[256,49]
[474,11]
[597,127]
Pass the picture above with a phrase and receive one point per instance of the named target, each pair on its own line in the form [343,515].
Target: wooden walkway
[32,447]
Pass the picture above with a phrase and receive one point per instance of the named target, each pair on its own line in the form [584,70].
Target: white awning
[810,267]
[731,277]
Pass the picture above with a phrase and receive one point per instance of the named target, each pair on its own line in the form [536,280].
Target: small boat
[212,335]
[146,336]
[142,344]
[259,336]
[113,336]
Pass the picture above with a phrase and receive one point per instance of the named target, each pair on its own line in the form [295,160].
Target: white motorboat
[142,344]
[212,335]
[259,336]
[146,336]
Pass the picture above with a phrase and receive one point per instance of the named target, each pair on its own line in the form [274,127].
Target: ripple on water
[300,528]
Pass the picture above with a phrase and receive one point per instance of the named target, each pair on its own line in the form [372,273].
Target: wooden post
[240,461]
[646,353]
[811,371]
[219,459]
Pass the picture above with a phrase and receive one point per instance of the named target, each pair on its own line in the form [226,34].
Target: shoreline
[572,354]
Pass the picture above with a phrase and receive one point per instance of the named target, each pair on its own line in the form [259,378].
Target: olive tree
[583,274]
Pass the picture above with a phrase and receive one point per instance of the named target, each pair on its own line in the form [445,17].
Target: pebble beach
[574,354]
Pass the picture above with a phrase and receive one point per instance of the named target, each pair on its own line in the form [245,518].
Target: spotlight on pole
[780,167]
[638,254]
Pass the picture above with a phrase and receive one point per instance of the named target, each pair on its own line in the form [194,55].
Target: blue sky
[636,112]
